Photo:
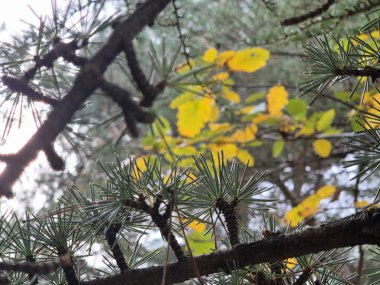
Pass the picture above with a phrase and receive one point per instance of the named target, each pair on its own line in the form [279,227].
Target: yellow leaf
[231,96]
[326,191]
[293,217]
[291,263]
[185,67]
[245,135]
[197,226]
[363,37]
[375,34]
[361,204]
[214,113]
[260,118]
[248,60]
[277,99]
[322,147]
[138,166]
[220,127]
[224,56]
[184,150]
[192,116]
[229,150]
[245,157]
[182,99]
[222,76]
[247,110]
[210,55]
[305,131]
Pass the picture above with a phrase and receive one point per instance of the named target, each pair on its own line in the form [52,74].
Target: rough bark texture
[363,228]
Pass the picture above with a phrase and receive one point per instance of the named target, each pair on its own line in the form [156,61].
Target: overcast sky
[12,11]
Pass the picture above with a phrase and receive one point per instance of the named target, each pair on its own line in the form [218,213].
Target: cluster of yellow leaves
[195,108]
[371,105]
[277,99]
[309,206]
[230,151]
[366,37]
[246,60]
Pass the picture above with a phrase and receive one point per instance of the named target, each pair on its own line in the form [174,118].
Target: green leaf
[277,149]
[255,143]
[325,121]
[200,243]
[254,97]
[297,108]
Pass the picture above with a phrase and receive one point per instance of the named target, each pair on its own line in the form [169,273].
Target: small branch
[360,266]
[358,229]
[111,234]
[161,222]
[56,162]
[309,15]
[21,85]
[60,49]
[31,259]
[148,91]
[368,71]
[68,268]
[4,280]
[229,212]
[35,268]
[305,275]
[132,112]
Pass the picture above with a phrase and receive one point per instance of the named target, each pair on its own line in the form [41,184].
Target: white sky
[11,13]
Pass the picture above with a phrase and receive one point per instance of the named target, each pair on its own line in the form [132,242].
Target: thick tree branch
[132,112]
[84,85]
[148,91]
[362,228]
[31,267]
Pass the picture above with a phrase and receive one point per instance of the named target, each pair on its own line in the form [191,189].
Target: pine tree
[207,202]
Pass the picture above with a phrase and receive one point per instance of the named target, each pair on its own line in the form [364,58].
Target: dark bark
[362,228]
[299,19]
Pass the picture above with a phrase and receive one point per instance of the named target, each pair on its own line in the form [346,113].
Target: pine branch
[368,71]
[161,221]
[60,49]
[83,87]
[21,85]
[229,212]
[68,268]
[148,91]
[31,259]
[362,228]
[132,112]
[32,267]
[111,234]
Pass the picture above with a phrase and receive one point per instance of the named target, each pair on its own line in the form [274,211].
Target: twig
[21,85]
[299,19]
[111,238]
